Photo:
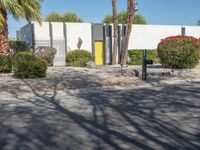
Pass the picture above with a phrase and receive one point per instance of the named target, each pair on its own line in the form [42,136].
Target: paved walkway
[156,115]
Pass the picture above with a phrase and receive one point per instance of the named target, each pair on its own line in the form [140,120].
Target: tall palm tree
[28,9]
[115,44]
[130,17]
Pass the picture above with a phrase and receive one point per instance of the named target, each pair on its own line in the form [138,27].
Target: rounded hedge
[27,65]
[5,64]
[78,58]
[179,52]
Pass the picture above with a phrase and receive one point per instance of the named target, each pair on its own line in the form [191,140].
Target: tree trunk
[129,21]
[115,44]
[4,45]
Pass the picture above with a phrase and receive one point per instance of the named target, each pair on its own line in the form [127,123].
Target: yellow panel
[99,52]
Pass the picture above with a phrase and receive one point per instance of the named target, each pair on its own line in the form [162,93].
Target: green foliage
[78,58]
[29,9]
[71,17]
[54,17]
[136,56]
[179,52]
[138,19]
[18,46]
[66,17]
[27,65]
[46,53]
[5,64]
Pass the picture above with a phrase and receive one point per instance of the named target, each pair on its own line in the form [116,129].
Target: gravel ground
[94,109]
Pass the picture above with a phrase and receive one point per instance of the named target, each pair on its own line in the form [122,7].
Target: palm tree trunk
[115,44]
[4,45]
[130,17]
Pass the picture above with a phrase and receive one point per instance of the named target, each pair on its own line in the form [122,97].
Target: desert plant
[27,65]
[136,56]
[46,53]
[5,64]
[78,58]
[179,52]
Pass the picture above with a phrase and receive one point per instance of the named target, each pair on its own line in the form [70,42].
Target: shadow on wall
[133,119]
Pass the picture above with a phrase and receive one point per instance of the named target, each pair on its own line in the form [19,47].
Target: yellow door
[99,52]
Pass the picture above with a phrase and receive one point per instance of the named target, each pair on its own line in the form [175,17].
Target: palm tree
[115,44]
[28,9]
[129,21]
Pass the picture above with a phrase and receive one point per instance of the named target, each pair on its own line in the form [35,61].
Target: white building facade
[64,37]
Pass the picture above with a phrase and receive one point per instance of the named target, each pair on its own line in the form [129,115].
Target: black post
[144,65]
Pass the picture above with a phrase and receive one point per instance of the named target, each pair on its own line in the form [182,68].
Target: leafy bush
[19,46]
[136,56]
[27,65]
[78,58]
[46,53]
[5,64]
[179,52]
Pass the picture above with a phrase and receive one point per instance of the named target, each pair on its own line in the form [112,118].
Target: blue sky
[171,12]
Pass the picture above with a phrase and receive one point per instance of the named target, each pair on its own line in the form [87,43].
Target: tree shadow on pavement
[142,118]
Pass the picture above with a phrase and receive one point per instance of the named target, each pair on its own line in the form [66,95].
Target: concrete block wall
[79,30]
[148,36]
[64,36]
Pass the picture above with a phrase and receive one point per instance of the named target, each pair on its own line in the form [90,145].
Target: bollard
[145,62]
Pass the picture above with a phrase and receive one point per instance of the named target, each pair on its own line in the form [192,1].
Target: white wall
[148,36]
[76,30]
[58,43]
[193,31]
[42,34]
[26,34]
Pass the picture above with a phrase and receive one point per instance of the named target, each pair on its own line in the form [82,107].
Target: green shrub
[179,52]
[27,65]
[19,46]
[46,53]
[78,58]
[5,64]
[136,56]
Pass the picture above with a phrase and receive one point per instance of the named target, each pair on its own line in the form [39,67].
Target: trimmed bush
[78,58]
[179,52]
[136,56]
[5,64]
[27,65]
[46,53]
[19,46]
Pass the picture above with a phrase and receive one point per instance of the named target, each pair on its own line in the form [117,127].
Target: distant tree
[54,17]
[71,17]
[138,18]
[66,17]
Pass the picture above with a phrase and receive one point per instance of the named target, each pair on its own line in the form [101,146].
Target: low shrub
[46,53]
[19,46]
[27,65]
[136,56]
[78,58]
[179,52]
[5,64]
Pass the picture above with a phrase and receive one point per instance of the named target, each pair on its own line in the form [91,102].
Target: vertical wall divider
[51,34]
[65,36]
